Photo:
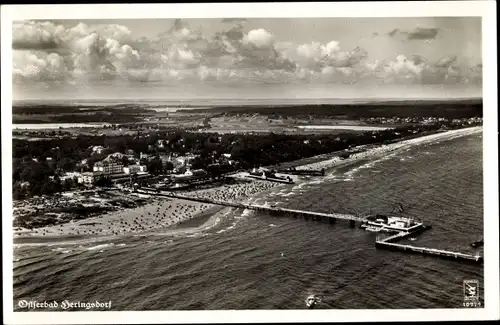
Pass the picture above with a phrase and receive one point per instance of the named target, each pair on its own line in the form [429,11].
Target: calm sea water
[255,261]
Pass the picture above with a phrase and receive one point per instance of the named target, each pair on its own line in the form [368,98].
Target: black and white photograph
[249,160]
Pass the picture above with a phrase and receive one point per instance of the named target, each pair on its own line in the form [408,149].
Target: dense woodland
[450,110]
[247,150]
[70,113]
[67,109]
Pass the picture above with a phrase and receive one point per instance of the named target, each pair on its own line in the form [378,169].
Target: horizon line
[250,99]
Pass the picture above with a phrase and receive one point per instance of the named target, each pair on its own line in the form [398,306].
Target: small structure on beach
[189,174]
[86,178]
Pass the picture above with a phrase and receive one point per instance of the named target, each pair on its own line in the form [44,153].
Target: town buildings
[70,175]
[134,169]
[108,167]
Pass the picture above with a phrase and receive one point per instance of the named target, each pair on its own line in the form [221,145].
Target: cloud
[417,59]
[446,61]
[418,70]
[394,32]
[416,34]
[78,53]
[30,67]
[260,38]
[45,52]
[35,36]
[233,20]
[317,55]
[423,33]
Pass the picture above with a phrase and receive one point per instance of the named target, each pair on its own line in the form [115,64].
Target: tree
[103,181]
[201,163]
[18,192]
[155,166]
[125,161]
[67,184]
[57,184]
[169,166]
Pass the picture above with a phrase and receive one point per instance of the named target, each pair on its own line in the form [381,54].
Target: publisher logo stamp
[471,293]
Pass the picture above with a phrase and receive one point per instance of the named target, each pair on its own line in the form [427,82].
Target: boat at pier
[372,228]
[477,243]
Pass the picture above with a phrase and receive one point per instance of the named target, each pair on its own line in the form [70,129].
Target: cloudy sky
[248,58]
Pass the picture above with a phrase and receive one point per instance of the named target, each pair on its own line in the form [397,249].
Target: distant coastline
[235,101]
[28,112]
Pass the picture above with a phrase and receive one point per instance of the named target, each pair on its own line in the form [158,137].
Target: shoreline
[161,216]
[170,214]
[392,147]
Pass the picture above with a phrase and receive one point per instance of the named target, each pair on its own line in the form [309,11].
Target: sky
[248,58]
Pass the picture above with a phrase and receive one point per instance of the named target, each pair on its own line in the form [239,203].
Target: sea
[248,260]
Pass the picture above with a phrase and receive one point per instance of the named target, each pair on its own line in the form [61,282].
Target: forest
[120,113]
[447,109]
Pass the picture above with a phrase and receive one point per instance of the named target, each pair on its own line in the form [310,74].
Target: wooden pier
[386,243]
[274,211]
[389,243]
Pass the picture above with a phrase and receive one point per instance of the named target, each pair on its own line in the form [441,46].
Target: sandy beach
[167,212]
[385,149]
[161,214]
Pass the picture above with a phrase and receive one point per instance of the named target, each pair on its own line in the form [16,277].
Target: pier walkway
[275,211]
[389,243]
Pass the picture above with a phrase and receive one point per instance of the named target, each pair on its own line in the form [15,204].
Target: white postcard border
[485,9]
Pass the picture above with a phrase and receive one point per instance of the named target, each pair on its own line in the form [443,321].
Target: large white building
[183,160]
[134,169]
[108,167]
[98,149]
[143,155]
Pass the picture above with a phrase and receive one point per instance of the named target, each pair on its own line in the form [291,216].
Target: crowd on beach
[162,213]
[142,219]
[231,192]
